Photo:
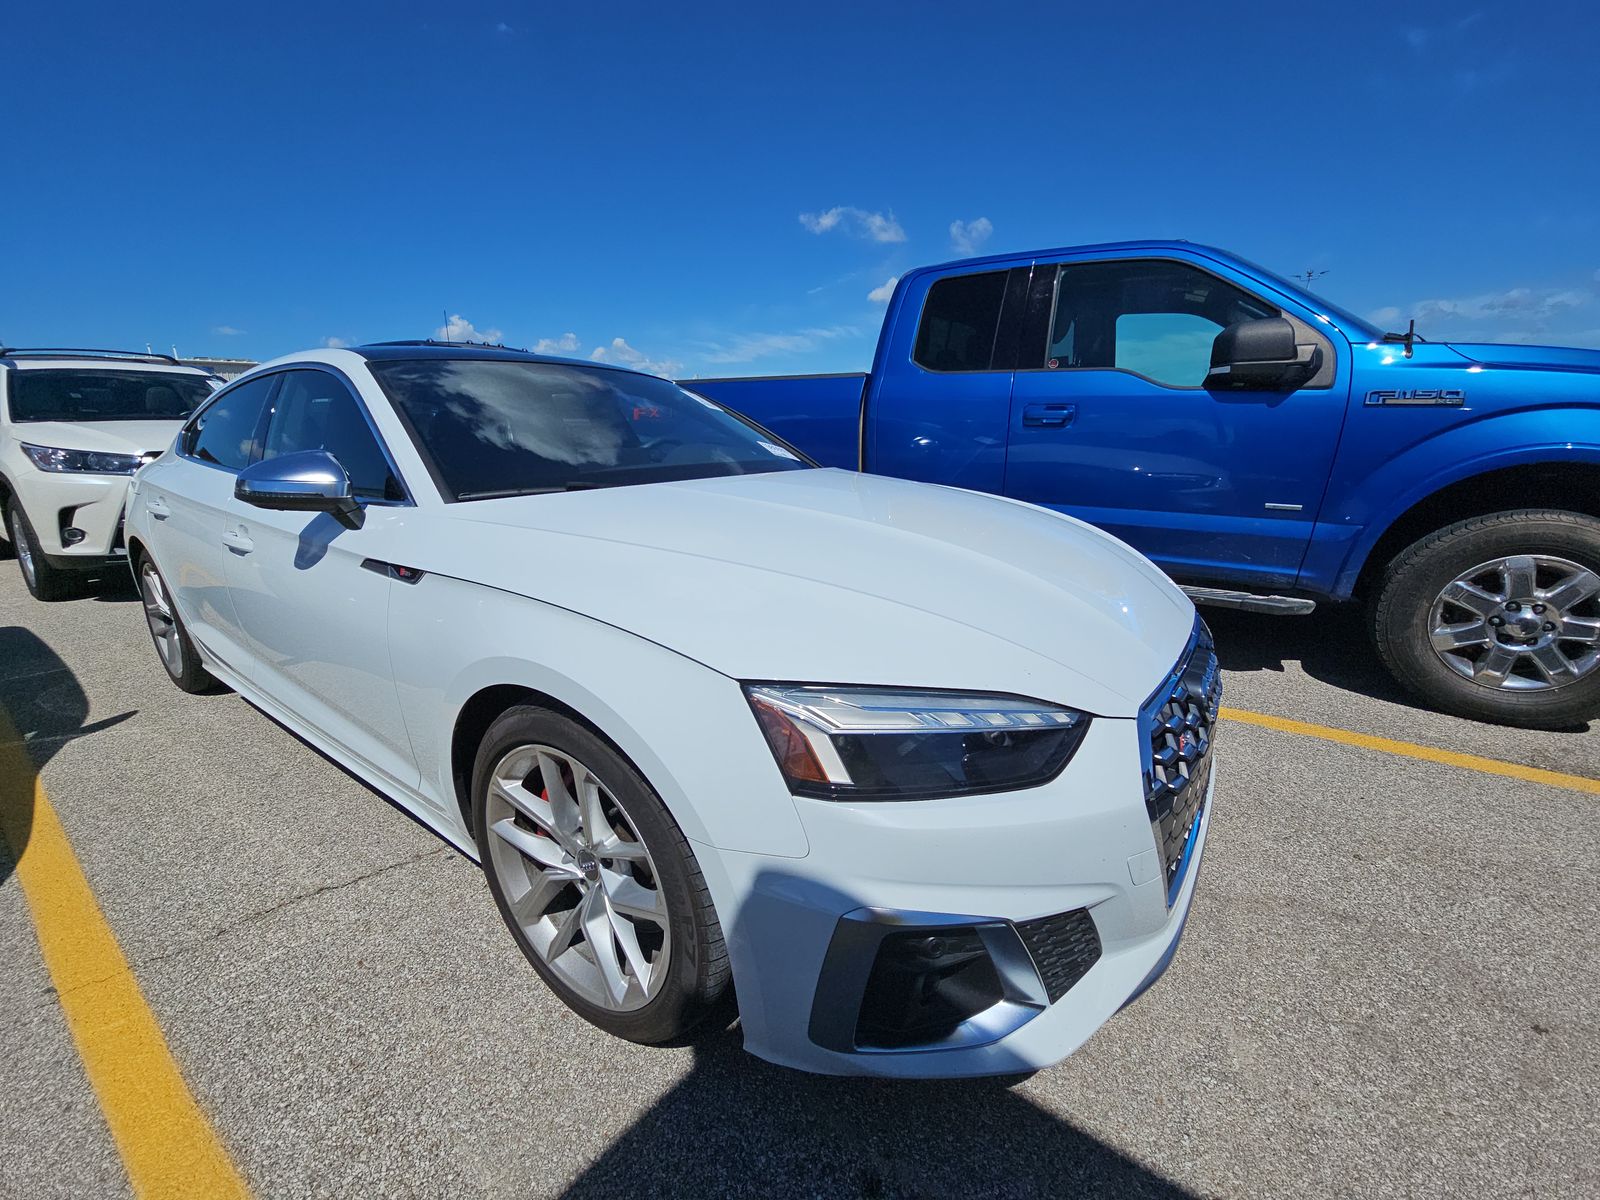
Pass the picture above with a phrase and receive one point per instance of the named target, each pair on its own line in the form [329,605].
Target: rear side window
[959,322]
[224,431]
[315,411]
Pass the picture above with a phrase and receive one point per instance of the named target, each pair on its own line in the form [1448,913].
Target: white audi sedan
[920,777]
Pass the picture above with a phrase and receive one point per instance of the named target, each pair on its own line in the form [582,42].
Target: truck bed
[819,414]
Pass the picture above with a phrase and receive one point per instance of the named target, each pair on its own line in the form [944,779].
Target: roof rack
[82,352]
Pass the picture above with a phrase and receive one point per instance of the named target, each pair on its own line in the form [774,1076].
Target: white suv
[74,425]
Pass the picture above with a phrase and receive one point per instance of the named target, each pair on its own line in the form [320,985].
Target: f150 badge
[1389,397]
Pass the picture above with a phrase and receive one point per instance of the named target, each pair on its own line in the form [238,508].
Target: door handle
[237,539]
[1048,416]
[156,506]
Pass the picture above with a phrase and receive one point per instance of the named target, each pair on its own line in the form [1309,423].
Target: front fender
[687,728]
[1362,506]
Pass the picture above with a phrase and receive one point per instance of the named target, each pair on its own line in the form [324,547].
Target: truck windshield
[1352,326]
[495,427]
[49,394]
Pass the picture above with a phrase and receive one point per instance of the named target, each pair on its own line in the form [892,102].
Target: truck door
[1110,422]
[941,388]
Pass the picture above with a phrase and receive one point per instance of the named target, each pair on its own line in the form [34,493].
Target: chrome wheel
[24,549]
[577,879]
[1526,622]
[159,616]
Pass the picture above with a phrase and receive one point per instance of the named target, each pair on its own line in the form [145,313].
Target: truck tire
[1498,618]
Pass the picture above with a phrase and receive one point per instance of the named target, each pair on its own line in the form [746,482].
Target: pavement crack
[55,994]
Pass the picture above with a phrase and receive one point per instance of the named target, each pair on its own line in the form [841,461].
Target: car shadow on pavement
[738,1126]
[42,706]
[1331,645]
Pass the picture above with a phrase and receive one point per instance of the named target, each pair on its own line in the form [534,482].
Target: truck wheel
[1498,618]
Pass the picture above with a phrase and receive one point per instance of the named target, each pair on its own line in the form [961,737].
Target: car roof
[410,351]
[396,351]
[33,358]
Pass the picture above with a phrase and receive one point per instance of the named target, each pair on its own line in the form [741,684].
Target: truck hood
[1550,358]
[829,576]
[106,437]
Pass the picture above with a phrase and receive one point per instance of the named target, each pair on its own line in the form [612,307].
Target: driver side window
[1152,318]
[315,411]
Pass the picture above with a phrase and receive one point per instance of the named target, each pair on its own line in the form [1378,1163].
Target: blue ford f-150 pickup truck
[1268,449]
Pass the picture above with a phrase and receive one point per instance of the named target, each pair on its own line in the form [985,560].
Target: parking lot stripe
[1367,741]
[167,1146]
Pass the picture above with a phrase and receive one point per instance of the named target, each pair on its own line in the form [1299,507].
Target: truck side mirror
[1261,355]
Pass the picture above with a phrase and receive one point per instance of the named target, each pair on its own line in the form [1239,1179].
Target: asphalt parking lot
[1388,986]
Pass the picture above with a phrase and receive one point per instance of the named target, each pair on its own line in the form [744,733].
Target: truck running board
[1283,606]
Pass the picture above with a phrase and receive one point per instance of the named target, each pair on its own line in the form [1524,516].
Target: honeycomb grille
[1180,719]
[1063,947]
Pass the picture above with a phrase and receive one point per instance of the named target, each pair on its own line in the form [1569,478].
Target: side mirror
[1262,356]
[306,481]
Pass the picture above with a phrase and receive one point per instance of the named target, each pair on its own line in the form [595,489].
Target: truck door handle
[237,539]
[156,506]
[1049,416]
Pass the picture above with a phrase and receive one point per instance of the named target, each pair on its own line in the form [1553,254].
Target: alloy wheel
[577,878]
[160,617]
[1525,622]
[24,548]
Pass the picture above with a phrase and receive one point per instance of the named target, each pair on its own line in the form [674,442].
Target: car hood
[829,576]
[106,437]
[1550,358]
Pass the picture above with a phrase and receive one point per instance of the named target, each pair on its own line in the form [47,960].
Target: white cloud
[875,226]
[967,236]
[1531,305]
[747,347]
[1516,314]
[881,294]
[334,343]
[621,353]
[567,343]
[226,331]
[459,329]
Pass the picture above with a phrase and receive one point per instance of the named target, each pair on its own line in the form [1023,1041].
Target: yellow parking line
[166,1143]
[1366,741]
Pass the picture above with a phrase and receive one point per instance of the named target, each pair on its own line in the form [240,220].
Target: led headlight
[855,743]
[83,462]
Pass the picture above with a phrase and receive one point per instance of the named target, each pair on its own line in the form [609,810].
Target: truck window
[959,321]
[1155,319]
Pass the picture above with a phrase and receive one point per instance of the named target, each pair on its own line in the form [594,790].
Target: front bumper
[90,503]
[804,930]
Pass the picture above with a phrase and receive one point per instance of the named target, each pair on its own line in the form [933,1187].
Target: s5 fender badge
[1453,397]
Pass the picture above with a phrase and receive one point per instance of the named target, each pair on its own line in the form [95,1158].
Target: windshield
[492,428]
[1352,326]
[96,395]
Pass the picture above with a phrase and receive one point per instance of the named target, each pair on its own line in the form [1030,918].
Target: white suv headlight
[83,462]
[857,743]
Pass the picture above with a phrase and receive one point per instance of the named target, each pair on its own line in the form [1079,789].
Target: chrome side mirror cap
[306,481]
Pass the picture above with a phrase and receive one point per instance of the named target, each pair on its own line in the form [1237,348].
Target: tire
[545,865]
[174,649]
[44,581]
[1552,556]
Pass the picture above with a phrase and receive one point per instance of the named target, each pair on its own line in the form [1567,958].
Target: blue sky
[726,189]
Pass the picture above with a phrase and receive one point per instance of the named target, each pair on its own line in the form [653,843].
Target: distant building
[227,368]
